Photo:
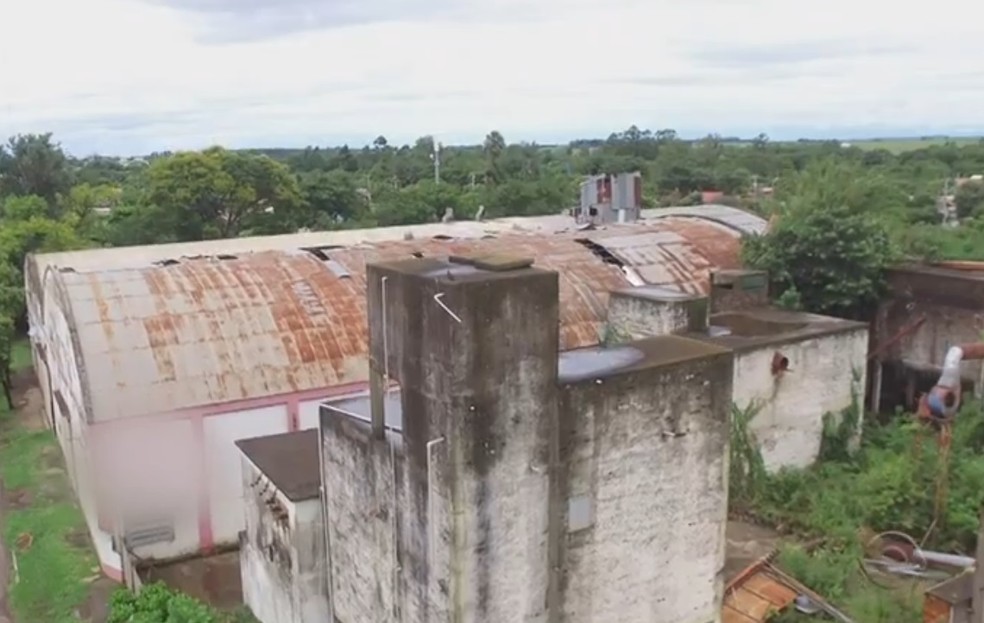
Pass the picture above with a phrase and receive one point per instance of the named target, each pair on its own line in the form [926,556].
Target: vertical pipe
[876,386]
[431,530]
[378,382]
[326,579]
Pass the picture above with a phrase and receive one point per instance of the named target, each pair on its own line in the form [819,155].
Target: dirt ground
[746,543]
[29,413]
[215,580]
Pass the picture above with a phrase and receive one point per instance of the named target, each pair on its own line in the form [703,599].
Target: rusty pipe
[903,332]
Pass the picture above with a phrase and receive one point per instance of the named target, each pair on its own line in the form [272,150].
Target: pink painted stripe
[197,415]
[293,414]
[206,539]
[246,404]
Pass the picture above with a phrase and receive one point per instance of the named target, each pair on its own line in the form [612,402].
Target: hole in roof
[605,255]
[417,254]
[167,262]
[320,252]
[443,237]
[225,256]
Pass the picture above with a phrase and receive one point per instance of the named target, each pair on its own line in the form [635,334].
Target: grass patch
[52,573]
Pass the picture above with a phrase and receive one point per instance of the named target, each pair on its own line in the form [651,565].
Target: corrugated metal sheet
[737,219]
[206,331]
[755,594]
[676,253]
[124,257]
[195,331]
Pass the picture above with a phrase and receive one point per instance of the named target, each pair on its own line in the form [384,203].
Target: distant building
[610,199]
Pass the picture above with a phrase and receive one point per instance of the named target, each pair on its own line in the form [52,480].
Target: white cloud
[132,75]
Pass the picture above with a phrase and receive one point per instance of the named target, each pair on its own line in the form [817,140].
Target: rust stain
[755,594]
[283,321]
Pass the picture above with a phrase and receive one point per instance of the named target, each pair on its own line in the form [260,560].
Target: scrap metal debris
[761,590]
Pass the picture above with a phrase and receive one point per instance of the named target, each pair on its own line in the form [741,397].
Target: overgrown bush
[901,479]
[157,603]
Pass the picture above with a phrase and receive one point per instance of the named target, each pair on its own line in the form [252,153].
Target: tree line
[828,195]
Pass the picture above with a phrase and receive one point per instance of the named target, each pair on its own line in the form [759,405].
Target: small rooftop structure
[281,549]
[288,460]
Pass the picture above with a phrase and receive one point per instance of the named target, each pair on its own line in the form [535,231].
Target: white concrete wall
[150,470]
[265,558]
[647,496]
[309,414]
[72,430]
[223,463]
[310,561]
[283,565]
[789,423]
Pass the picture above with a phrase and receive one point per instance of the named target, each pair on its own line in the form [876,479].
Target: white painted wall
[51,327]
[789,424]
[150,472]
[309,414]
[224,463]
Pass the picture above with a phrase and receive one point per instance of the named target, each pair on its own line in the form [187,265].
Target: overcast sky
[133,76]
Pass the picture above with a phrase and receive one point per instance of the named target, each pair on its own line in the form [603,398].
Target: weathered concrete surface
[791,406]
[646,487]
[6,565]
[736,290]
[282,556]
[952,302]
[645,311]
[464,536]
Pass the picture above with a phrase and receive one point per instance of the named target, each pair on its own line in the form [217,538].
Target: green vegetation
[158,604]
[44,528]
[845,499]
[842,214]
[902,145]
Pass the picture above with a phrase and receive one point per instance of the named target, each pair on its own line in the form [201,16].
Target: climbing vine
[840,432]
[747,475]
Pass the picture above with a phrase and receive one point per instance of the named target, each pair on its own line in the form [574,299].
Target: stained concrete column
[473,344]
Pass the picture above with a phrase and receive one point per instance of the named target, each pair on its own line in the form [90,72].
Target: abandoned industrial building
[153,361]
[270,394]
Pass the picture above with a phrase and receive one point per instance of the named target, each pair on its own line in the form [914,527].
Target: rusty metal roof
[674,252]
[207,331]
[735,218]
[194,331]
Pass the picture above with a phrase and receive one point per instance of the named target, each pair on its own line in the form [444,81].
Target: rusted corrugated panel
[677,253]
[207,331]
[584,280]
[754,595]
[935,610]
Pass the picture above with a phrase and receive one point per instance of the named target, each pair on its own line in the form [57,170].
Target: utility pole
[436,156]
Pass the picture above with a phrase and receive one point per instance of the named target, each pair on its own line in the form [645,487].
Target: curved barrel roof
[187,331]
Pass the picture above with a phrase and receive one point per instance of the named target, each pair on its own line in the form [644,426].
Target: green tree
[220,194]
[970,199]
[32,164]
[22,208]
[827,245]
[332,197]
